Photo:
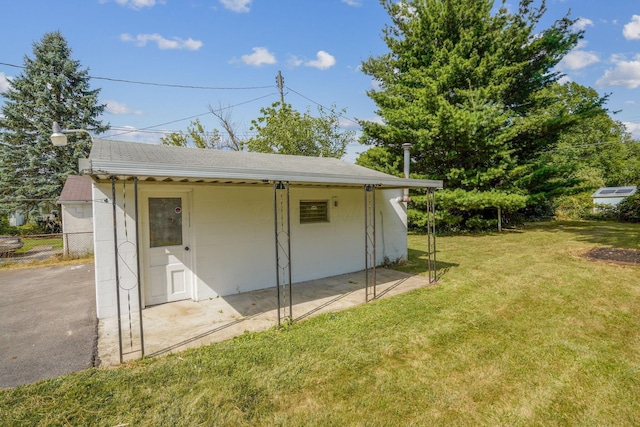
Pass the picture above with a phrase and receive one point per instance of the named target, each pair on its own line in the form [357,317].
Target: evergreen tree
[51,88]
[469,89]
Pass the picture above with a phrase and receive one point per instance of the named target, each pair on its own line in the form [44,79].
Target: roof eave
[131,169]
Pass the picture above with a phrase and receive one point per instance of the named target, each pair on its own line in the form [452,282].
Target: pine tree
[51,88]
[467,87]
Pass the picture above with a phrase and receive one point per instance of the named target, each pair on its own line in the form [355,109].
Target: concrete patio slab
[180,325]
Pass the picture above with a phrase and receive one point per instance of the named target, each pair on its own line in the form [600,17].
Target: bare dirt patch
[614,255]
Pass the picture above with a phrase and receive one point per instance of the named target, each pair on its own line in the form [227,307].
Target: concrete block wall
[233,239]
[104,249]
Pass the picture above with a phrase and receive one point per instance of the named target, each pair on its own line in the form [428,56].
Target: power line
[126,130]
[179,86]
[320,105]
[190,117]
[280,84]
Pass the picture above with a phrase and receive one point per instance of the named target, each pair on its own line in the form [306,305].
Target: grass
[32,242]
[520,331]
[52,261]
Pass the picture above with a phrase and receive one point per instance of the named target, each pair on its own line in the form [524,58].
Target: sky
[162,63]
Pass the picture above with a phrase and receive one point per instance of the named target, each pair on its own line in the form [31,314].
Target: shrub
[460,210]
[576,206]
[629,209]
[32,228]
[5,228]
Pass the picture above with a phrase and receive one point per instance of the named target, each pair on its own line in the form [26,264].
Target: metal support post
[282,228]
[370,241]
[431,235]
[115,253]
[135,190]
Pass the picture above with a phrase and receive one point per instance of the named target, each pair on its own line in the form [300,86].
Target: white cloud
[162,43]
[240,6]
[374,119]
[583,23]
[578,58]
[135,4]
[294,61]
[323,61]
[259,57]
[631,31]
[4,82]
[354,3]
[348,124]
[633,129]
[564,79]
[625,73]
[115,107]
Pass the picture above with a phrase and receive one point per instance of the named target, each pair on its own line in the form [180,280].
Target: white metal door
[168,257]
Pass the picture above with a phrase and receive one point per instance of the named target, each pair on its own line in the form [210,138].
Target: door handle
[186,248]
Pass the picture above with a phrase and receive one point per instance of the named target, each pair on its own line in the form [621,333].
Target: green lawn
[32,242]
[520,330]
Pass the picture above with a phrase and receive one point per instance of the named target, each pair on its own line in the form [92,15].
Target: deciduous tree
[283,130]
[197,136]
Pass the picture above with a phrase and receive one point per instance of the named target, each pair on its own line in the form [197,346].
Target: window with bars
[314,211]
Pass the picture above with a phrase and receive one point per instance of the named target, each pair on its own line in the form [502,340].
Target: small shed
[16,218]
[175,223]
[612,196]
[77,215]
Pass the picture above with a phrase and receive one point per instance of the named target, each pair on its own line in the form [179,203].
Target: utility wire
[179,86]
[166,131]
[190,117]
[320,105]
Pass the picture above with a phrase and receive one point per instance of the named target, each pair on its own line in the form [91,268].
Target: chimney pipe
[406,147]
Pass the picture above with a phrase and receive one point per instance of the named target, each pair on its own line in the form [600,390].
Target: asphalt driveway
[48,324]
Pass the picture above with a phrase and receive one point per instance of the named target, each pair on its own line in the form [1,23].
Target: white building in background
[77,215]
[611,196]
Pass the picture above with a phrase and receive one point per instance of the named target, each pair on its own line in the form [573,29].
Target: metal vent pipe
[406,147]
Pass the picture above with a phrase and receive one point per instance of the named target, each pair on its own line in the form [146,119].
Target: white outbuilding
[612,196]
[77,215]
[173,223]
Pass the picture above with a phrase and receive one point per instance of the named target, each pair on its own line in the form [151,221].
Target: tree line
[472,87]
[477,94]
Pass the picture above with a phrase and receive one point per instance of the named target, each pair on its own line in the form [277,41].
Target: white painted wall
[104,249]
[611,201]
[233,241]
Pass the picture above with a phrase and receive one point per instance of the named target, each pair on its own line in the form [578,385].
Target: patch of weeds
[391,264]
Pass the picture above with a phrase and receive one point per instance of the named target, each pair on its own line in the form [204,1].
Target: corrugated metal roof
[76,189]
[615,191]
[162,162]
